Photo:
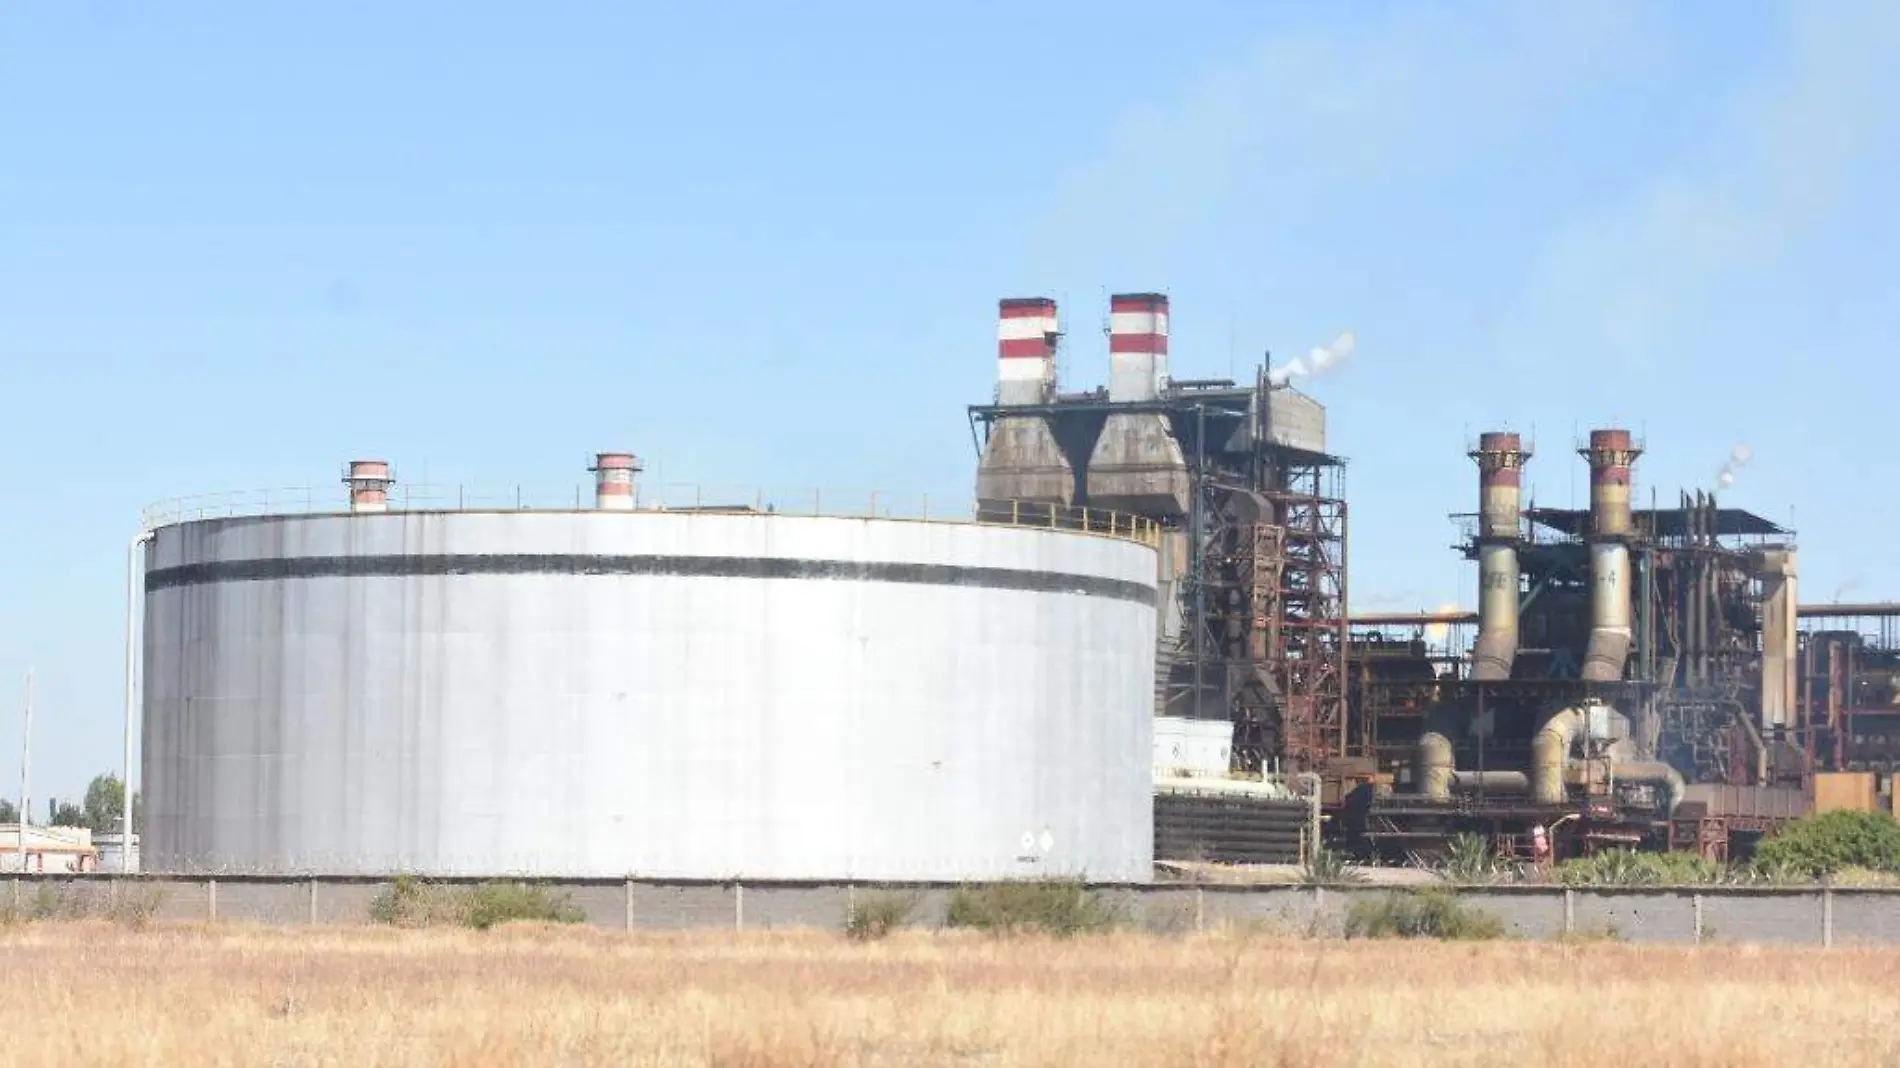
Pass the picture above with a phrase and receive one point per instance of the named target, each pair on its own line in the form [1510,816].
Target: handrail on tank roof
[665,497]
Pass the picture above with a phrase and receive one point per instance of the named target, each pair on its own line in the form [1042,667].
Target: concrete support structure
[1022,460]
[1137,465]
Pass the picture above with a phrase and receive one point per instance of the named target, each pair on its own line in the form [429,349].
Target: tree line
[100,812]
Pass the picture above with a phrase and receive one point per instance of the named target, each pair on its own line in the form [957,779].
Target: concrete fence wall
[1810,915]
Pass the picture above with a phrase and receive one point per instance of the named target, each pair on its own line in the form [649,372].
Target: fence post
[1696,900]
[738,906]
[1319,904]
[629,902]
[1200,910]
[313,900]
[1570,911]
[1827,917]
[211,899]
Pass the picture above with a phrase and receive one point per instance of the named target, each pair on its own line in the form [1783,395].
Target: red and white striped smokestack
[1500,456]
[613,481]
[369,482]
[1611,453]
[1026,333]
[1137,345]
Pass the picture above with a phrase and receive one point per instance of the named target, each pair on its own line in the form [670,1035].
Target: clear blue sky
[240,244]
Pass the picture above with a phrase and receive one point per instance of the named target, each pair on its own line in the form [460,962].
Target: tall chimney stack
[1137,345]
[1137,465]
[1026,333]
[1610,453]
[1022,461]
[1500,456]
[613,481]
[369,482]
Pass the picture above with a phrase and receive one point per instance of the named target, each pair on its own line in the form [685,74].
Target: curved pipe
[1550,747]
[1609,647]
[1432,765]
[1653,773]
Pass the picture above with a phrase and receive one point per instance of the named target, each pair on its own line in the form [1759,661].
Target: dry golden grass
[98,994]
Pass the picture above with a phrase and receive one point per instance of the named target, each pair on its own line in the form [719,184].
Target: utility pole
[131,696]
[26,771]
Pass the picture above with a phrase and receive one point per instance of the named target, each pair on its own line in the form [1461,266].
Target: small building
[47,849]
[111,856]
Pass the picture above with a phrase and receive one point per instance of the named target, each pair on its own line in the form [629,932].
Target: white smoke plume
[1436,633]
[1738,458]
[1316,362]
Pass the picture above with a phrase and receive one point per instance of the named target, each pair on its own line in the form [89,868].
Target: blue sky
[240,244]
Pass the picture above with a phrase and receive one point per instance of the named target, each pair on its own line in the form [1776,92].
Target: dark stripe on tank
[747,567]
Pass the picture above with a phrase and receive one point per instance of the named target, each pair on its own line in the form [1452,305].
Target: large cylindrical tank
[655,694]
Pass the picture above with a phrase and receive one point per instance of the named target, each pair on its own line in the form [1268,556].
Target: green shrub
[1327,866]
[1058,907]
[1469,859]
[496,903]
[1626,867]
[872,916]
[411,902]
[1832,841]
[1423,914]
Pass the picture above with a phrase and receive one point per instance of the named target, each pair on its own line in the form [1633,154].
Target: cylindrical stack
[1610,453]
[1500,456]
[1137,345]
[1026,333]
[369,482]
[1137,465]
[613,481]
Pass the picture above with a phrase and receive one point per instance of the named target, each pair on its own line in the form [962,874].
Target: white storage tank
[647,693]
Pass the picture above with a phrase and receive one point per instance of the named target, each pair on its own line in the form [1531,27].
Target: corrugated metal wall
[658,694]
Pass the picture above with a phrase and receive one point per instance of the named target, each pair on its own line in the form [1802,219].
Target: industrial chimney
[369,482]
[1022,460]
[613,481]
[1500,456]
[1137,465]
[1611,452]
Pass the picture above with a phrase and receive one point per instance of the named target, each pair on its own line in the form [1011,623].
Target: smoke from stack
[1317,362]
[1738,458]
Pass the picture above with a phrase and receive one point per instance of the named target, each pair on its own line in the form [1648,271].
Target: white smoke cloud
[1436,633]
[1738,458]
[1320,360]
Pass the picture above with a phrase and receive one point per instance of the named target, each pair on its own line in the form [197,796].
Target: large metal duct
[1500,456]
[1434,766]
[1550,749]
[1653,773]
[1611,452]
[1137,465]
[1022,460]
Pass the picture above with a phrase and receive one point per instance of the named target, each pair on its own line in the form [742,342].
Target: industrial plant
[1136,646]
[1638,676]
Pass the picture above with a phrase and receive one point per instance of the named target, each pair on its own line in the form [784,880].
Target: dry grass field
[94,993]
